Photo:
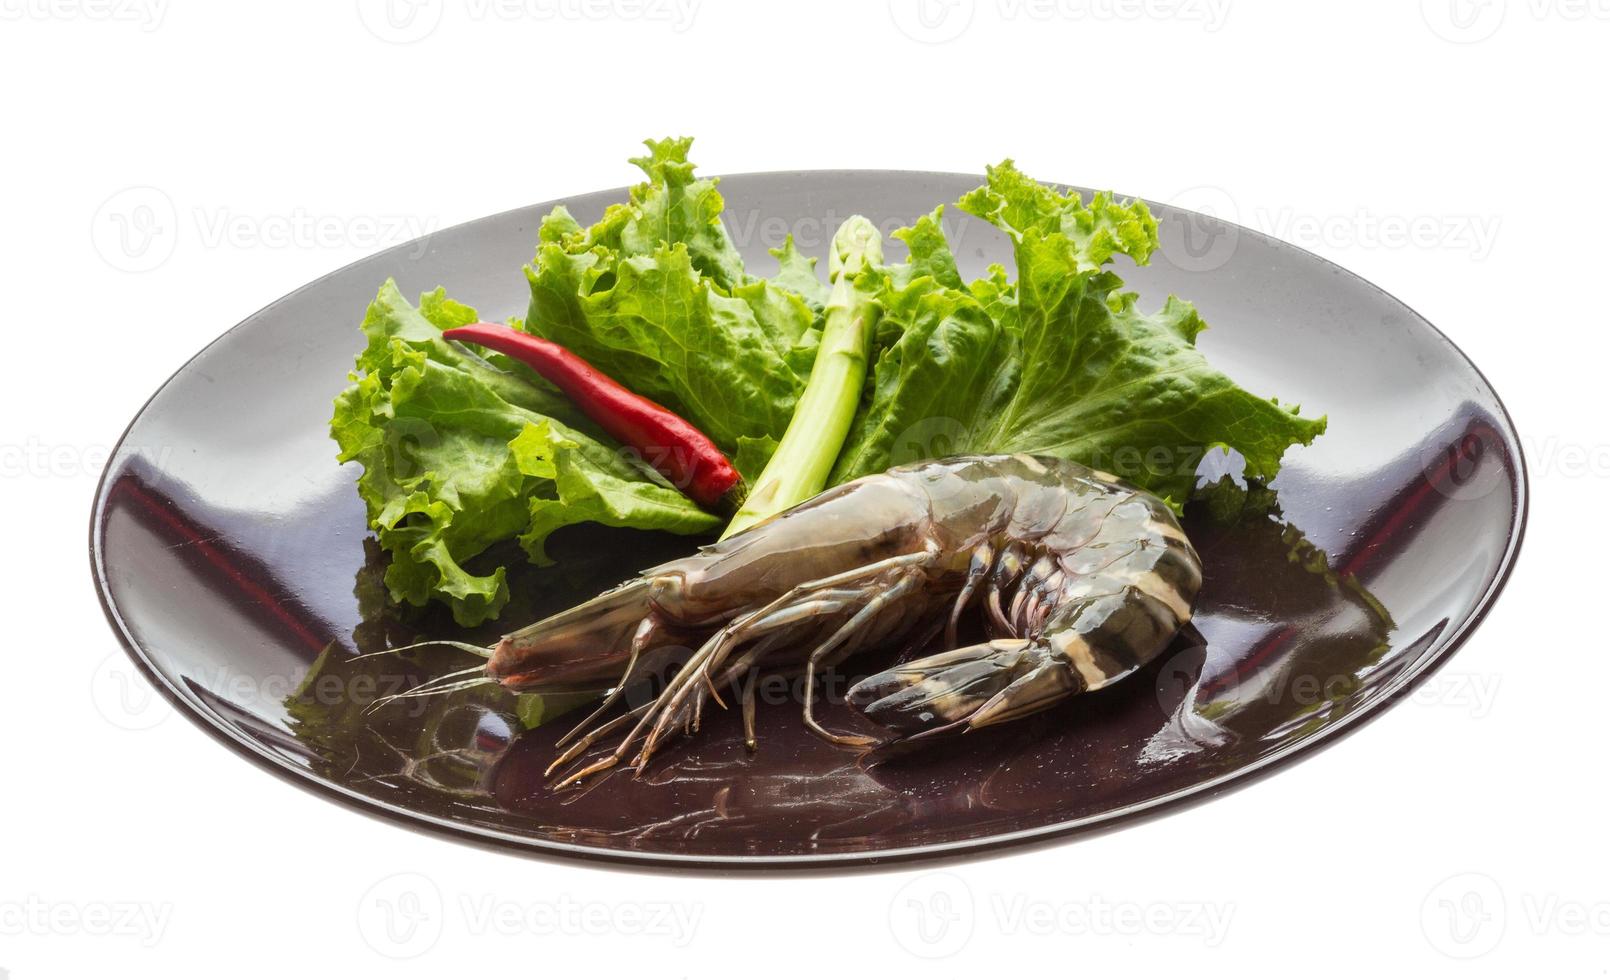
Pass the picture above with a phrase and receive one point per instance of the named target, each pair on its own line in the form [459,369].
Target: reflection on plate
[232,556]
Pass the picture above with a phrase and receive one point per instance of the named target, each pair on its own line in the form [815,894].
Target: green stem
[798,470]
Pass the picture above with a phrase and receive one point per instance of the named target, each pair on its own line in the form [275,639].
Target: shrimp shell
[1080,579]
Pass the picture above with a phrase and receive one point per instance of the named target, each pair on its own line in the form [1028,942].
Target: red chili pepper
[667,441]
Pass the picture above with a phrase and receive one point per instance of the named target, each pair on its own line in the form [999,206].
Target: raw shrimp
[1081,580]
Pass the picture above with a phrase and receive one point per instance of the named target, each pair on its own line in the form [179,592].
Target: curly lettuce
[462,450]
[655,296]
[1058,361]
[459,453]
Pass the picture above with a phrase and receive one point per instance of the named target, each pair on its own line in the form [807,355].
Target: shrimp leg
[1079,581]
[645,630]
[749,712]
[802,603]
[907,584]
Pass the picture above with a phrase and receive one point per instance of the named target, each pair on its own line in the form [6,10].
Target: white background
[1451,151]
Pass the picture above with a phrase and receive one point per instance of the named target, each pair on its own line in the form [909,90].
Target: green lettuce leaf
[459,453]
[674,206]
[655,296]
[1059,361]
[463,449]
[585,490]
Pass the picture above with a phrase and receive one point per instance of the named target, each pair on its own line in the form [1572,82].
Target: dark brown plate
[231,556]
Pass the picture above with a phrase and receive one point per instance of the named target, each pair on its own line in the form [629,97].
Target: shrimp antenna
[483,652]
[425,693]
[445,684]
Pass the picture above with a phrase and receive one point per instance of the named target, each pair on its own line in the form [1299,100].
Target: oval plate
[232,559]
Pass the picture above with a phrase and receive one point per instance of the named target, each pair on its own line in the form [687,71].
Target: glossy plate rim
[1019,841]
